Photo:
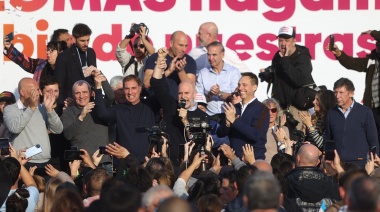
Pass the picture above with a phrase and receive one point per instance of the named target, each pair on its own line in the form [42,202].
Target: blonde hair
[50,189]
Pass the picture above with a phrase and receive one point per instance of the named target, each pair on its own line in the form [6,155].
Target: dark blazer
[68,70]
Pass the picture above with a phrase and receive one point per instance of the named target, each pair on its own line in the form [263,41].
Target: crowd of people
[186,132]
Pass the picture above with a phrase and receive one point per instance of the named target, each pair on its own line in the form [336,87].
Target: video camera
[155,140]
[267,75]
[199,129]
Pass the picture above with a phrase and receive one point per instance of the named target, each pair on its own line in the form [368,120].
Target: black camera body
[199,128]
[290,119]
[267,75]
[136,27]
[155,140]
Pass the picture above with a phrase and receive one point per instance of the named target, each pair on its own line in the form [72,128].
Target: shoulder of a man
[191,66]
[150,63]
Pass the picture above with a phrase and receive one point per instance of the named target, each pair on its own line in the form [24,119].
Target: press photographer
[176,113]
[158,141]
[290,74]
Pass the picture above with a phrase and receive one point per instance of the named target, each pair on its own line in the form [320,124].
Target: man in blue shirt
[218,81]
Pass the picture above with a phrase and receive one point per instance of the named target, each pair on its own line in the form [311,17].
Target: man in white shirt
[208,33]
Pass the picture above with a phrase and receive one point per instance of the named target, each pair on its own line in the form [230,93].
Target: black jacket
[308,186]
[291,73]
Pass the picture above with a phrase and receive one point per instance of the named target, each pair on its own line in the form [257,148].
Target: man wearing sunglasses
[142,49]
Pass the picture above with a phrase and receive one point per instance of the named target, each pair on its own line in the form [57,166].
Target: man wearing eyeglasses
[218,81]
[141,48]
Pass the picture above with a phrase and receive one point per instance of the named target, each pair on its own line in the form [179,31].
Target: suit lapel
[77,64]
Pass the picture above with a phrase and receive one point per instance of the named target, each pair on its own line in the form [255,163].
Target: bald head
[308,155]
[262,165]
[25,82]
[178,44]
[207,33]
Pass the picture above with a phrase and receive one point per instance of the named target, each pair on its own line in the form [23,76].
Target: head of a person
[157,168]
[54,48]
[178,44]
[210,202]
[215,54]
[82,93]
[174,204]
[139,48]
[363,195]
[262,191]
[62,35]
[228,190]
[98,177]
[308,155]
[13,167]
[28,88]
[200,99]
[234,98]
[274,109]
[279,159]
[207,33]
[187,92]
[49,85]
[81,33]
[286,39]
[116,83]
[122,198]
[324,101]
[242,176]
[18,201]
[67,200]
[139,177]
[247,86]
[6,98]
[263,165]
[40,182]
[50,191]
[208,183]
[346,180]
[344,91]
[132,89]
[152,198]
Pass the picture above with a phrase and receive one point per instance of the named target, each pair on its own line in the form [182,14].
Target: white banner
[248,26]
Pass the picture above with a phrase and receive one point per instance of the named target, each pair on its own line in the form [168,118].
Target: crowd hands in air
[218,148]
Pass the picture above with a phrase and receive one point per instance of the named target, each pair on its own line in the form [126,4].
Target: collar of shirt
[193,108]
[348,109]
[20,105]
[213,71]
[245,106]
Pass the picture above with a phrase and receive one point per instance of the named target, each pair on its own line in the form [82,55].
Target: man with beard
[176,55]
[369,65]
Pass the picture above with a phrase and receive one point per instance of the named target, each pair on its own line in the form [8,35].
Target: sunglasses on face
[235,94]
[273,110]
[141,46]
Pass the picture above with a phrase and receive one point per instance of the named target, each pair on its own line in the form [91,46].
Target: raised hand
[68,102]
[86,109]
[248,154]
[96,157]
[49,101]
[230,111]
[51,171]
[117,151]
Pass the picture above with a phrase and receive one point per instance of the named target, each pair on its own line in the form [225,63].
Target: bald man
[175,118]
[208,33]
[174,73]
[307,184]
[29,122]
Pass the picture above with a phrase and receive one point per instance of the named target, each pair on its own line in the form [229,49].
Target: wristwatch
[220,95]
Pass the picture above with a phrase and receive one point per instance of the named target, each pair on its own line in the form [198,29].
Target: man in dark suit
[75,63]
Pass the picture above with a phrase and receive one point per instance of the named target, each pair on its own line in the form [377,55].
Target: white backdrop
[248,26]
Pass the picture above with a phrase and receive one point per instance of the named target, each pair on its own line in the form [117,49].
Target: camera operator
[141,48]
[290,70]
[176,118]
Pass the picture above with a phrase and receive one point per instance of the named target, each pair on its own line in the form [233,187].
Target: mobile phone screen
[329,150]
[73,154]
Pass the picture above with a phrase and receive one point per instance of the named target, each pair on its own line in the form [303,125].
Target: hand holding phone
[73,154]
[329,150]
[102,150]
[374,151]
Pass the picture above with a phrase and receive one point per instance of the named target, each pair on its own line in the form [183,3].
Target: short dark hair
[216,43]
[132,77]
[242,175]
[344,82]
[263,191]
[363,194]
[122,198]
[254,79]
[18,201]
[81,30]
[60,46]
[231,177]
[49,80]
[55,36]
[14,167]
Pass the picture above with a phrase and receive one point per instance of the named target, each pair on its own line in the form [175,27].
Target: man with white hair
[154,196]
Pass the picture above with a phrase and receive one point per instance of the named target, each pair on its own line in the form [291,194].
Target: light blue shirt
[227,80]
[32,199]
[348,109]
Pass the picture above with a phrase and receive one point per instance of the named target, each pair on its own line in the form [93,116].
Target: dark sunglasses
[141,46]
[273,110]
[235,93]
